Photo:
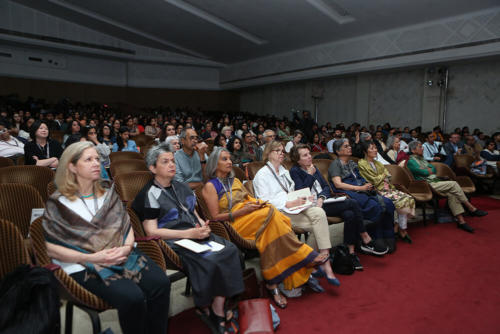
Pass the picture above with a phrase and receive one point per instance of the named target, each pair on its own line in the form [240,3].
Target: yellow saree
[283,256]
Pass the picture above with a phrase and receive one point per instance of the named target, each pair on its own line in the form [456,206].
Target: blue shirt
[188,167]
[131,147]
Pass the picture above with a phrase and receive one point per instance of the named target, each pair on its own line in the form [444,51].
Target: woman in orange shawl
[283,257]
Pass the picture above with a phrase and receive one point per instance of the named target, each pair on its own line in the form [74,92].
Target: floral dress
[375,173]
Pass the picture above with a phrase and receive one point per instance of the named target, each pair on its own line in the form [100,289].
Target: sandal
[275,292]
[319,260]
[218,323]
[204,317]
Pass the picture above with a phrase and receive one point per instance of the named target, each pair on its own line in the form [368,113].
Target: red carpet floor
[447,281]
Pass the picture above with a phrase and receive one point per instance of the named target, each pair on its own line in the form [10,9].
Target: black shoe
[373,248]
[465,227]
[314,285]
[478,213]
[355,262]
[391,245]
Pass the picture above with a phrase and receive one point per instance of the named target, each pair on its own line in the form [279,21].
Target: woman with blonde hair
[88,233]
[273,183]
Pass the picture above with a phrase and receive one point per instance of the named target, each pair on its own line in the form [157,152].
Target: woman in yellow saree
[283,257]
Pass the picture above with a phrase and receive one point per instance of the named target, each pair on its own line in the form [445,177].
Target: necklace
[87,207]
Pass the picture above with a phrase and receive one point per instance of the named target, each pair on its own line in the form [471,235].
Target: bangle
[231,218]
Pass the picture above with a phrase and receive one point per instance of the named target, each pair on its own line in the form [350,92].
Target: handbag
[255,316]
[341,261]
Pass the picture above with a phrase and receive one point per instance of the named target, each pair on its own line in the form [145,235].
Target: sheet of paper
[215,246]
[335,199]
[193,245]
[302,193]
[35,213]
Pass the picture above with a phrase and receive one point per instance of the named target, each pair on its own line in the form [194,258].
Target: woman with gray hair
[344,176]
[167,209]
[283,257]
[173,143]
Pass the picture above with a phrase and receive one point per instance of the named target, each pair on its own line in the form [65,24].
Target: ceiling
[231,31]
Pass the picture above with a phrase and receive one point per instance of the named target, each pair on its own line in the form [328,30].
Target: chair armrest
[71,290]
[464,181]
[401,187]
[237,239]
[148,238]
[219,228]
[52,266]
[150,247]
[419,186]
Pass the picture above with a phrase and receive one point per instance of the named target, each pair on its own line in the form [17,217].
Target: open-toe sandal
[218,323]
[276,292]
[319,260]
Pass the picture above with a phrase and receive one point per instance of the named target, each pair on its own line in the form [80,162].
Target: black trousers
[142,307]
[350,211]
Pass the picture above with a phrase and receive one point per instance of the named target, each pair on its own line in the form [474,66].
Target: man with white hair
[268,136]
[227,131]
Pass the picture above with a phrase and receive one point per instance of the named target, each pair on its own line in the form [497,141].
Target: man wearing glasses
[191,159]
[268,136]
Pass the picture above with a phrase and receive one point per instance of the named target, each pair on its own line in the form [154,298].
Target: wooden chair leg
[68,322]
[94,318]
[436,208]
[424,214]
[93,315]
[187,289]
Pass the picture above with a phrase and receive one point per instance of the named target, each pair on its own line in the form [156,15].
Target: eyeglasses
[279,151]
[193,137]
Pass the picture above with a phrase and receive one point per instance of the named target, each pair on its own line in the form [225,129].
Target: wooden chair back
[126,166]
[128,185]
[36,176]
[253,167]
[115,156]
[12,248]
[16,203]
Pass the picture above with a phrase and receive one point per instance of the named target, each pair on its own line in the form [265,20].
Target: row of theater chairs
[22,242]
[17,200]
[24,188]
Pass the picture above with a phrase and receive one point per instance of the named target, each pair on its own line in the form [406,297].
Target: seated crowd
[88,231]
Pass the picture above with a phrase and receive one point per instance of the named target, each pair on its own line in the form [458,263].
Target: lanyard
[230,196]
[176,200]
[42,149]
[277,179]
[15,142]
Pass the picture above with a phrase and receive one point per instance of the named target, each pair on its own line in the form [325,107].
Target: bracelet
[231,218]
[203,161]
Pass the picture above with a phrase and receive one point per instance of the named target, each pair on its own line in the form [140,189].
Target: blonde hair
[65,180]
[274,145]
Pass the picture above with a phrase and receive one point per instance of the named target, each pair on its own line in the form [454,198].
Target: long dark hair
[230,144]
[119,140]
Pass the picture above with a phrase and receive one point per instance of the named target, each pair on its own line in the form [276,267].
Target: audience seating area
[24,188]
